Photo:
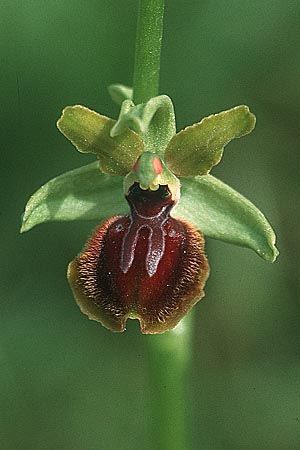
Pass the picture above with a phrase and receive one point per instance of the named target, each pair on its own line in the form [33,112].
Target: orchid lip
[146,265]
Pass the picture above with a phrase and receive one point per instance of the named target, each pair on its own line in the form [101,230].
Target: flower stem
[147,50]
[169,357]
[168,354]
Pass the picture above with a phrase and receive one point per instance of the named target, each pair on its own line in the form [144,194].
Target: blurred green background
[66,382]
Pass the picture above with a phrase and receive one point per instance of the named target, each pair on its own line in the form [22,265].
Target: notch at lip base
[93,312]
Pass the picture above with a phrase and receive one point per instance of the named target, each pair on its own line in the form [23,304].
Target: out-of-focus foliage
[67,383]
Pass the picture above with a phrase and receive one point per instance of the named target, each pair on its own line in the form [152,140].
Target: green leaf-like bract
[90,133]
[199,147]
[222,213]
[81,194]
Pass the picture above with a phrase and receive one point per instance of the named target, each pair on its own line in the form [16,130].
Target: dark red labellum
[146,265]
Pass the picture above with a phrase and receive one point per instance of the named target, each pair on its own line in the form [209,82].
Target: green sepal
[81,194]
[199,147]
[89,132]
[222,213]
[119,93]
[154,121]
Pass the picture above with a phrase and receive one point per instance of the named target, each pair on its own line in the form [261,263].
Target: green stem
[168,354]
[147,50]
[169,358]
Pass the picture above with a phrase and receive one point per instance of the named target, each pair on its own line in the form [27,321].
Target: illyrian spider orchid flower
[152,191]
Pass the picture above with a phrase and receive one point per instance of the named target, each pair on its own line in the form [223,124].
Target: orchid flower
[151,190]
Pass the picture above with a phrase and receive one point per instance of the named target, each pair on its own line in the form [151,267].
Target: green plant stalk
[147,50]
[169,357]
[168,354]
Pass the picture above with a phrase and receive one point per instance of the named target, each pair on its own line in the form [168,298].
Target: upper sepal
[199,147]
[222,213]
[90,132]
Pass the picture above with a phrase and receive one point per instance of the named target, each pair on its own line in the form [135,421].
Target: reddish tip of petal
[157,166]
